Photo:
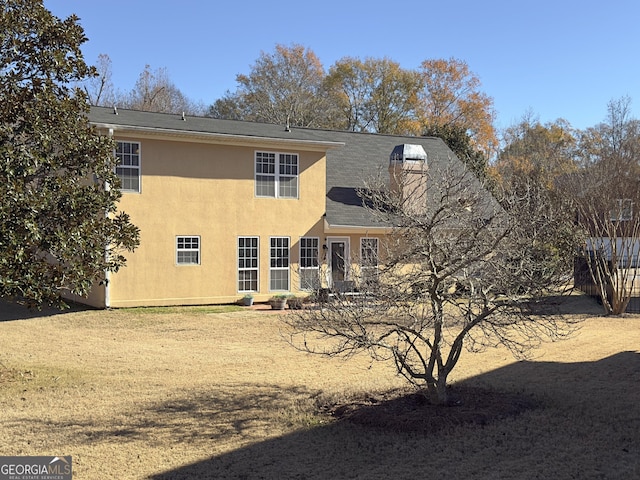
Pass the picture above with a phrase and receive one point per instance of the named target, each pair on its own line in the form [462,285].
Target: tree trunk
[438,392]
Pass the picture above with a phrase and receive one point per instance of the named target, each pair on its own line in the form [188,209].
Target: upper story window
[128,168]
[623,211]
[276,174]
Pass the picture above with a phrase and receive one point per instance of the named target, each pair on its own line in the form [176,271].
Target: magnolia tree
[60,229]
[459,270]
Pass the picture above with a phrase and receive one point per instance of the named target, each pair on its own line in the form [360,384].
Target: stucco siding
[208,190]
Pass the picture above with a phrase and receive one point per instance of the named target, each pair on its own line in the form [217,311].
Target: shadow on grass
[243,411]
[14,311]
[576,304]
[584,425]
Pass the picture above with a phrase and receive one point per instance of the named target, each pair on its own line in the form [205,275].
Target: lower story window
[369,259]
[309,270]
[188,250]
[248,261]
[279,264]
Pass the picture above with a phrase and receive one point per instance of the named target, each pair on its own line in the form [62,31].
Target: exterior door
[339,259]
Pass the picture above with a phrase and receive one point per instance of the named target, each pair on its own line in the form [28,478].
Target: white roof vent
[408,153]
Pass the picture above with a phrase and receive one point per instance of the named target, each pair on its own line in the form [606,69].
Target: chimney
[407,175]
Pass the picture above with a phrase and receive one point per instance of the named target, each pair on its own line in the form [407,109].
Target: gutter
[107,273]
[196,136]
[330,228]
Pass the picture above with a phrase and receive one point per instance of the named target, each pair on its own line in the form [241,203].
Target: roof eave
[336,228]
[210,137]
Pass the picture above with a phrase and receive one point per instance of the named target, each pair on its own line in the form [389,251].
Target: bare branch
[459,269]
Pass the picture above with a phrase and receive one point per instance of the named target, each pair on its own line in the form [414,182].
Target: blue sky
[558,59]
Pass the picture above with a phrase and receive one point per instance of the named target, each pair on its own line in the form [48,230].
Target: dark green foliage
[59,229]
[458,140]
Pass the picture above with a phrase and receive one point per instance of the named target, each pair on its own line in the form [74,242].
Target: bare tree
[451,96]
[375,95]
[610,254]
[614,139]
[155,92]
[99,89]
[459,270]
[533,150]
[607,195]
[284,87]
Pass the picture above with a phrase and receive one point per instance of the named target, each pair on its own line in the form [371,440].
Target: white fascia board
[347,229]
[204,137]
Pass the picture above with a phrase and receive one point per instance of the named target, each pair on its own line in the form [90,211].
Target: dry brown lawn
[186,393]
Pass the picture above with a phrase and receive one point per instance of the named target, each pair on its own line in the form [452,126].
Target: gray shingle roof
[362,157]
[352,157]
[203,126]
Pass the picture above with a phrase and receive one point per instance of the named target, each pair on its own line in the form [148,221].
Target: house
[227,207]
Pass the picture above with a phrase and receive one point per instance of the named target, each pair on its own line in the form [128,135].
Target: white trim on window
[279,264]
[276,175]
[369,258]
[248,249]
[369,252]
[129,165]
[624,210]
[188,250]
[309,263]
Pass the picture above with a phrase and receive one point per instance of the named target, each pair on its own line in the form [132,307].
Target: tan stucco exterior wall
[208,190]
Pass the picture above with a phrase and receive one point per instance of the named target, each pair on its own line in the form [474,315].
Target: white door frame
[347,257]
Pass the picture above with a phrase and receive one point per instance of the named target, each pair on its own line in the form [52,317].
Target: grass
[199,393]
[199,310]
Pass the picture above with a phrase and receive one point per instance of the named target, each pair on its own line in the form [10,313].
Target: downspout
[107,273]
